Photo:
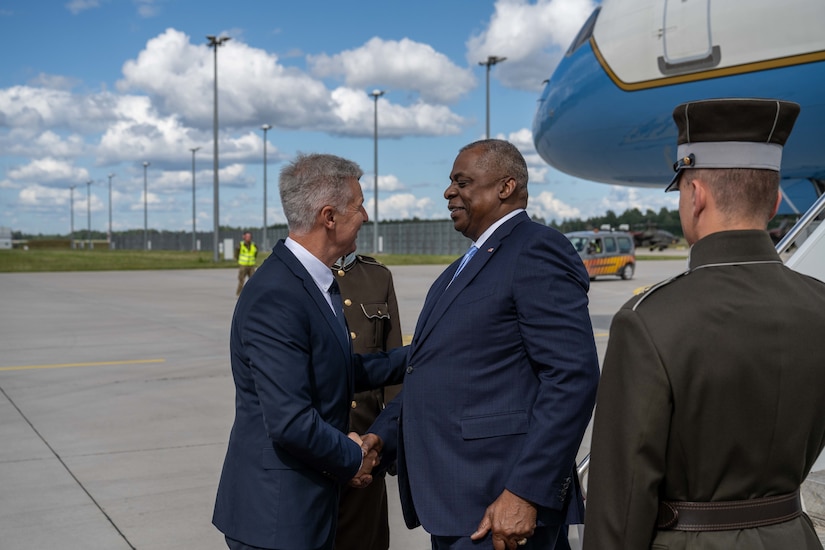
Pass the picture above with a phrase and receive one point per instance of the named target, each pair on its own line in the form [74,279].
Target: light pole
[215,42]
[265,128]
[491,60]
[375,95]
[194,150]
[71,207]
[89,213]
[145,209]
[109,236]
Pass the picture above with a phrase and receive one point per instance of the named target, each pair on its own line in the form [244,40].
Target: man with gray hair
[295,373]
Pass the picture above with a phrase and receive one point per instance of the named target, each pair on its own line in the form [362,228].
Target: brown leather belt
[725,515]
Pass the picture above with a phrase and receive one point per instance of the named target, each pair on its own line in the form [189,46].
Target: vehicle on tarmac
[654,238]
[605,252]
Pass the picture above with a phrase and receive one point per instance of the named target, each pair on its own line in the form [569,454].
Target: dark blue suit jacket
[500,384]
[295,376]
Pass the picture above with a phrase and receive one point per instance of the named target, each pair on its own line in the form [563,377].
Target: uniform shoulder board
[646,291]
[369,260]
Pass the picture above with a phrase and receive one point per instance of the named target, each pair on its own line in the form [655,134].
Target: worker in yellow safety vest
[246,254]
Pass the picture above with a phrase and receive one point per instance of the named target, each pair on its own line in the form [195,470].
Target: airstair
[803,248]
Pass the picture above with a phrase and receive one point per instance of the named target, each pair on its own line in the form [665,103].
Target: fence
[437,237]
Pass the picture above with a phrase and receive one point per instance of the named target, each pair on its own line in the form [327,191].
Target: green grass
[36,260]
[656,258]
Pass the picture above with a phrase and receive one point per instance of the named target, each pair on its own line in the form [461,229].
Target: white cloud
[56,82]
[77,6]
[253,86]
[546,205]
[146,8]
[397,64]
[622,198]
[49,170]
[403,206]
[386,184]
[39,198]
[355,111]
[532,36]
[37,109]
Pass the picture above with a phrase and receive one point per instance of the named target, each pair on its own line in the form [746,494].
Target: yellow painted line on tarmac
[601,334]
[69,365]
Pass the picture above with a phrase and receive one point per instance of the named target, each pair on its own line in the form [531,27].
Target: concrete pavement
[117,400]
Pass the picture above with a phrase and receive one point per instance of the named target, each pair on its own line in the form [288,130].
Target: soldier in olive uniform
[371,310]
[710,413]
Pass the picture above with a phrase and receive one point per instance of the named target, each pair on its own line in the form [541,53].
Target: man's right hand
[371,446]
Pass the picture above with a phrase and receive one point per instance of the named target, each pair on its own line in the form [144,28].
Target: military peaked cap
[732,133]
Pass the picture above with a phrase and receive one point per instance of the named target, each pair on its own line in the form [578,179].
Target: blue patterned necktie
[337,304]
[464,261]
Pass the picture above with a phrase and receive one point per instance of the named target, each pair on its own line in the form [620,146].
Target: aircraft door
[686,37]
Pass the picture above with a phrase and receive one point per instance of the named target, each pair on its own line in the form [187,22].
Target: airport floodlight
[264,240]
[89,213]
[194,244]
[71,209]
[491,60]
[215,42]
[375,95]
[109,236]
[145,209]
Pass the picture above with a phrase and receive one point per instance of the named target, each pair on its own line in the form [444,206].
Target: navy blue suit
[295,376]
[500,384]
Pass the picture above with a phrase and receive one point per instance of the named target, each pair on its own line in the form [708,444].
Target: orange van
[605,252]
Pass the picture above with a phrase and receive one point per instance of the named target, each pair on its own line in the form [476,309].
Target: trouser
[363,518]
[544,538]
[244,272]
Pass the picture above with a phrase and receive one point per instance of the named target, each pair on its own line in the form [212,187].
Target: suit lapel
[437,302]
[289,259]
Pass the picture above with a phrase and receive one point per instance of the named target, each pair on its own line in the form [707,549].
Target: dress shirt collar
[320,273]
[492,229]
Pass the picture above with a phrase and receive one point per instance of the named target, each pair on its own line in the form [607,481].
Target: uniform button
[348,302]
[352,335]
[409,369]
[353,404]
[341,272]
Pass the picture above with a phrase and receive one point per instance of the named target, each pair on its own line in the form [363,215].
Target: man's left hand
[511,519]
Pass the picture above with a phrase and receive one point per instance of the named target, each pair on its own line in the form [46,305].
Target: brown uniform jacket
[371,310]
[711,390]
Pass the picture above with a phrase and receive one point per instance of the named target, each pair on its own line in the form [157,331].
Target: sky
[90,90]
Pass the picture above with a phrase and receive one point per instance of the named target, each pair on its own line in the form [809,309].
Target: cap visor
[673,185]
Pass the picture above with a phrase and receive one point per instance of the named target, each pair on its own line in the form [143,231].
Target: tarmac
[117,400]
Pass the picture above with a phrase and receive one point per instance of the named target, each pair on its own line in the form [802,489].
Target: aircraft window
[625,245]
[609,244]
[585,32]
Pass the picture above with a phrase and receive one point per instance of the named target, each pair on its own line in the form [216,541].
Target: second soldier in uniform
[371,310]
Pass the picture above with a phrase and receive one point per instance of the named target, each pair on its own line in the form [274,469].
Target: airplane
[605,114]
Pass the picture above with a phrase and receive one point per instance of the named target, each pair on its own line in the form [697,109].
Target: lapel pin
[490,249]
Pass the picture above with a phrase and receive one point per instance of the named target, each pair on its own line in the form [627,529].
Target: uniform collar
[733,247]
[345,262]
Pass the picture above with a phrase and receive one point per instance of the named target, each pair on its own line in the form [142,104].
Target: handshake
[371,446]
